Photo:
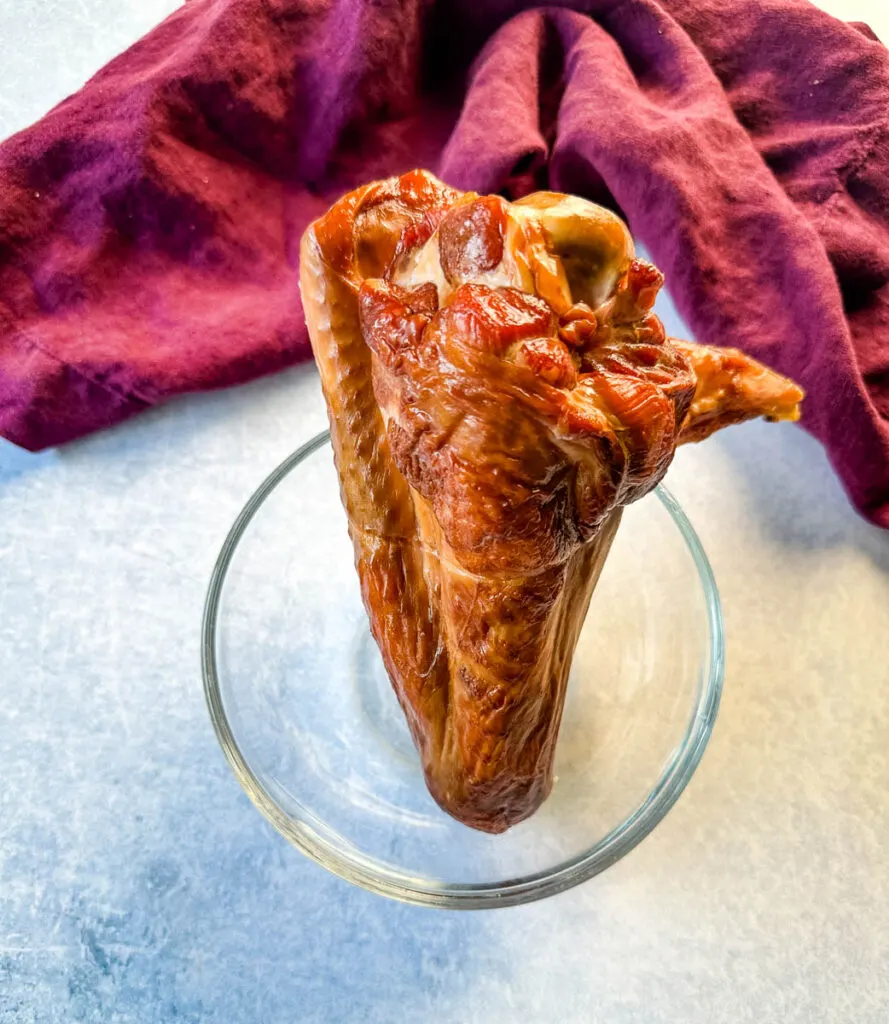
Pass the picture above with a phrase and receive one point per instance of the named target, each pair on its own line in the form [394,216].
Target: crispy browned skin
[498,388]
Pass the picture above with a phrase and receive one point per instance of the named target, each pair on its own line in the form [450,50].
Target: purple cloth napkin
[149,225]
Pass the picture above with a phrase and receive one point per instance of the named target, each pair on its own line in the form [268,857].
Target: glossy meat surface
[498,389]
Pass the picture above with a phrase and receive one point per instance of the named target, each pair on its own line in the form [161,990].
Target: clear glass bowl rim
[349,863]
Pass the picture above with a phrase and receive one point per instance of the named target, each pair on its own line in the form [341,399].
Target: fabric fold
[149,224]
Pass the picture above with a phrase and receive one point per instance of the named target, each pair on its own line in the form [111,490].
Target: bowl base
[377,702]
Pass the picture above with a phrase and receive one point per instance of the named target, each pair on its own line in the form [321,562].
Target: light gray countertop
[138,883]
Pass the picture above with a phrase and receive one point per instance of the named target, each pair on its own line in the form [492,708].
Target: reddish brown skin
[471,238]
[550,360]
[493,319]
[485,450]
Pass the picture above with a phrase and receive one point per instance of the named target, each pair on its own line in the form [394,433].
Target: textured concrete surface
[138,884]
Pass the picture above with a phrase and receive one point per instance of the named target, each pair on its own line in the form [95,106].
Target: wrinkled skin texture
[498,389]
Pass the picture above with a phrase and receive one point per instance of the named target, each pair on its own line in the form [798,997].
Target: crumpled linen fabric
[149,224]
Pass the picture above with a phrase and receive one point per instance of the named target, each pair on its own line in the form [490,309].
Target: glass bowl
[307,718]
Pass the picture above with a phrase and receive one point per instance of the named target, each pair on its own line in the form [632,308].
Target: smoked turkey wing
[498,388]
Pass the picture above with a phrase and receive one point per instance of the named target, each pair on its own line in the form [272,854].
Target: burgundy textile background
[149,225]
